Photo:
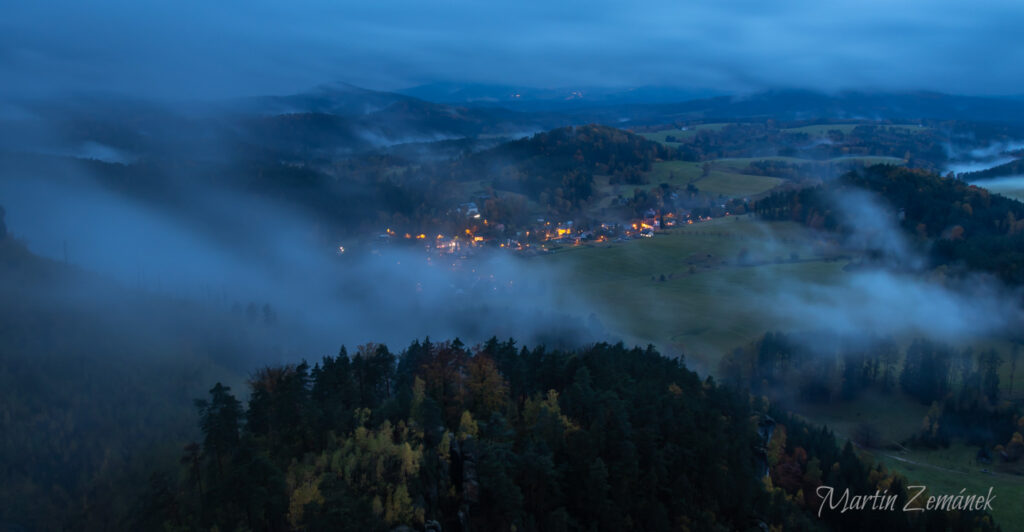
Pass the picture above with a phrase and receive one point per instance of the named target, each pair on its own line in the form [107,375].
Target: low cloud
[188,50]
[891,294]
[262,253]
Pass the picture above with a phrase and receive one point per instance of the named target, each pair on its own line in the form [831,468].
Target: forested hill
[501,437]
[603,149]
[1015,167]
[959,224]
[561,164]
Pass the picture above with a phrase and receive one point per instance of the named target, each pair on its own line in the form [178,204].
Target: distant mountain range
[537,99]
[645,105]
[334,120]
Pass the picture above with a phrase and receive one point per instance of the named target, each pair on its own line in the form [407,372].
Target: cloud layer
[192,49]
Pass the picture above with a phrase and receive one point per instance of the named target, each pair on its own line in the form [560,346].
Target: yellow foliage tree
[488,390]
[380,463]
[467,426]
[548,404]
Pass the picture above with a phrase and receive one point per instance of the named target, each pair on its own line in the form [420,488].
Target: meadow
[709,302]
[947,471]
[728,177]
[722,180]
[942,471]
[689,132]
[821,130]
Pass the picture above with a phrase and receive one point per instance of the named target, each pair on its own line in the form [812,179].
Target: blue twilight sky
[210,49]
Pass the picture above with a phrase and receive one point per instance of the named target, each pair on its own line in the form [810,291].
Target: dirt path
[912,462]
[947,470]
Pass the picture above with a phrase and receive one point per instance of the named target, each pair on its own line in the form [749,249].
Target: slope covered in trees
[558,167]
[498,437]
[968,396]
[1015,167]
[959,224]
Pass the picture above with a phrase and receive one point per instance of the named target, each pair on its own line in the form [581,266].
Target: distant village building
[469,210]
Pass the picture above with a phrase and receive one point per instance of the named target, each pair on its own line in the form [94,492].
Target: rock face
[765,429]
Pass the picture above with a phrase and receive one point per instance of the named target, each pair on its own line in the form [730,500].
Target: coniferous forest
[504,437]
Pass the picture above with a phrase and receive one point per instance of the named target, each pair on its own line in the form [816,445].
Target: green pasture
[709,301]
[719,181]
[821,130]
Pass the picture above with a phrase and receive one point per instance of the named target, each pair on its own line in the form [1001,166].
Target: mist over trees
[961,227]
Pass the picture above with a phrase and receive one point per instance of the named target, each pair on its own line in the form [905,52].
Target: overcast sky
[210,49]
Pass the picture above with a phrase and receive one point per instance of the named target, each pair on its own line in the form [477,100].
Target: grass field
[675,172]
[743,162]
[735,185]
[726,177]
[708,304]
[943,471]
[719,181]
[690,131]
[821,130]
[947,471]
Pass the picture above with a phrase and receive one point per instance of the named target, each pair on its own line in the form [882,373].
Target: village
[542,236]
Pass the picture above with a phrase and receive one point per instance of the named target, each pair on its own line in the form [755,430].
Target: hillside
[1012,168]
[502,437]
[963,227]
[558,167]
[90,372]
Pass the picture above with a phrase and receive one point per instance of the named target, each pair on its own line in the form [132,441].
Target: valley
[812,266]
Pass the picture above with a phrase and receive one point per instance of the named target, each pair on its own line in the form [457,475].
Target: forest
[442,436]
[961,226]
[962,387]
[557,167]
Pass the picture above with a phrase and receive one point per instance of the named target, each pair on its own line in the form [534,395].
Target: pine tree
[219,420]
